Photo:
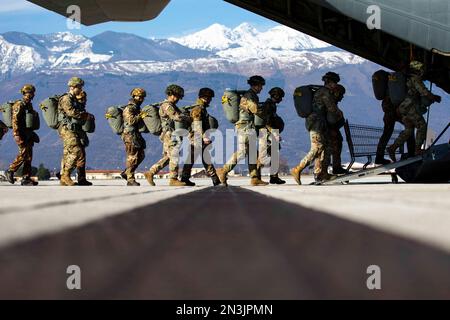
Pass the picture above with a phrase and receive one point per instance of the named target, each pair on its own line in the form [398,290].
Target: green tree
[43,173]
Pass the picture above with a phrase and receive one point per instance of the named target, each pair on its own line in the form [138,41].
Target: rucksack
[115,118]
[6,109]
[303,99]
[50,111]
[397,87]
[231,100]
[380,84]
[152,120]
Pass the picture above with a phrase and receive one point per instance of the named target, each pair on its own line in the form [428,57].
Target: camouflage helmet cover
[206,92]
[417,65]
[255,80]
[277,91]
[175,90]
[28,88]
[138,92]
[75,81]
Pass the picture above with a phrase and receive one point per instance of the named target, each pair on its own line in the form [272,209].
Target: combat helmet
[75,81]
[417,66]
[138,92]
[332,76]
[28,88]
[277,92]
[175,90]
[256,80]
[206,92]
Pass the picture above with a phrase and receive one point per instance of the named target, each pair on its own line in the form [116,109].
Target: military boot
[215,180]
[324,177]
[10,176]
[256,182]
[276,180]
[419,151]
[66,181]
[296,173]
[133,183]
[222,176]
[340,170]
[82,178]
[149,176]
[27,182]
[382,161]
[173,182]
[188,182]
[391,151]
[123,175]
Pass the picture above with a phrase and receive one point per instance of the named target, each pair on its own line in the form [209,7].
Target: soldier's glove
[18,140]
[437,98]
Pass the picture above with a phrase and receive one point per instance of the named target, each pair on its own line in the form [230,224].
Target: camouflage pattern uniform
[249,107]
[200,125]
[316,124]
[169,113]
[269,111]
[409,115]
[70,131]
[134,142]
[25,156]
[391,116]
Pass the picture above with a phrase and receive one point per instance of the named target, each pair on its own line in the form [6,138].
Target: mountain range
[113,63]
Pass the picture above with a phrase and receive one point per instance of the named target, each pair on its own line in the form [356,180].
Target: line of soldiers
[322,125]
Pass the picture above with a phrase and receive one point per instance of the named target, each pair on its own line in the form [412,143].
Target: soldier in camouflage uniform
[245,127]
[391,116]
[324,102]
[271,132]
[70,132]
[169,114]
[334,137]
[134,142]
[25,138]
[81,101]
[408,109]
[199,141]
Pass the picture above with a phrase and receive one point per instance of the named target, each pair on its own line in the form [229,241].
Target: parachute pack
[50,111]
[213,123]
[115,118]
[152,121]
[6,110]
[89,125]
[380,84]
[231,100]
[32,120]
[303,99]
[397,87]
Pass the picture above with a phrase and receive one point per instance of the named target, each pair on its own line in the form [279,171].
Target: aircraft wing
[98,11]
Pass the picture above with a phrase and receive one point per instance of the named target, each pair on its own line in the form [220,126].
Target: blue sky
[179,18]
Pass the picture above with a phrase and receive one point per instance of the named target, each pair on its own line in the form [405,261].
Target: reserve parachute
[303,99]
[89,125]
[231,100]
[50,111]
[32,120]
[380,84]
[397,87]
[6,110]
[213,123]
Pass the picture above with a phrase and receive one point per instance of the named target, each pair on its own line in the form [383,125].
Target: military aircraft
[389,33]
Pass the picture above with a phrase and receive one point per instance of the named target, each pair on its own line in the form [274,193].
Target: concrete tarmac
[241,242]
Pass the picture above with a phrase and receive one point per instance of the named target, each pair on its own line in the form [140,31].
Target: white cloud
[16,5]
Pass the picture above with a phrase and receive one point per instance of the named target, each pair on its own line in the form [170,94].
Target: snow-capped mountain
[241,50]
